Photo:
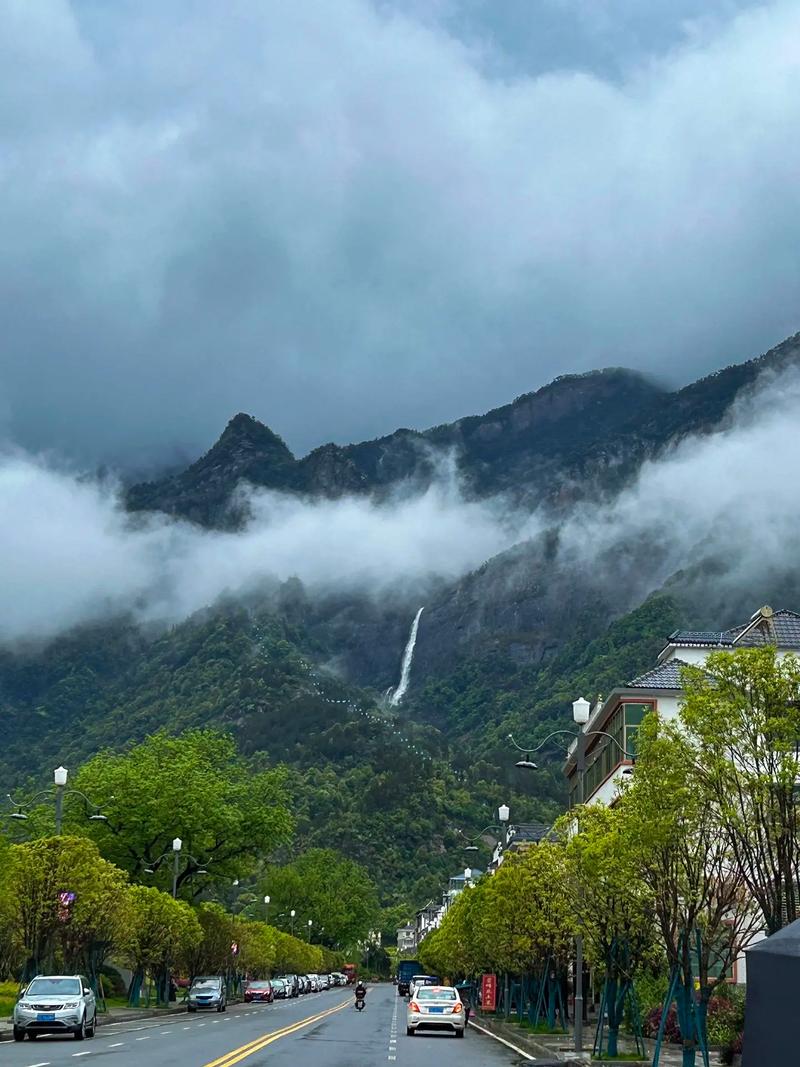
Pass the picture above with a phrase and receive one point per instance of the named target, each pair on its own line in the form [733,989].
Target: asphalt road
[318,1030]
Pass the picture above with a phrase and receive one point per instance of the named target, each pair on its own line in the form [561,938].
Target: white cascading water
[408,656]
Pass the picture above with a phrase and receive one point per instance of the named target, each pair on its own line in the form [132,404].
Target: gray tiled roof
[700,637]
[783,632]
[530,831]
[666,676]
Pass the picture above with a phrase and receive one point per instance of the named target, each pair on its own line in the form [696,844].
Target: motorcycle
[360,1003]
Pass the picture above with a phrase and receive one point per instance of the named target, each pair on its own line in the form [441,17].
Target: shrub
[652,1022]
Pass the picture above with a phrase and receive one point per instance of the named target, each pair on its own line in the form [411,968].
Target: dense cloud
[78,556]
[347,216]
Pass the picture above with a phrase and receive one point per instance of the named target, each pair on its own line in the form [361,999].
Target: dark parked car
[259,991]
[281,990]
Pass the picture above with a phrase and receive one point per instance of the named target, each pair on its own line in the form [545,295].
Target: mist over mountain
[552,543]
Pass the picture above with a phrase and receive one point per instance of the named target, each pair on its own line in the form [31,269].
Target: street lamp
[175,852]
[266,907]
[310,924]
[504,814]
[292,914]
[581,710]
[60,775]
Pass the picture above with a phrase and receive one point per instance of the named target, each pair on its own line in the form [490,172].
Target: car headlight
[72,1004]
[25,1005]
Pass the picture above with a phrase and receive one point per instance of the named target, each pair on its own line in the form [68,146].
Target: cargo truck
[406,969]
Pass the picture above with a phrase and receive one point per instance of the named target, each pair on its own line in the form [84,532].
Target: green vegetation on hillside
[392,793]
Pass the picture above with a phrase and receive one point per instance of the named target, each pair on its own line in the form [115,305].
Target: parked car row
[286,986]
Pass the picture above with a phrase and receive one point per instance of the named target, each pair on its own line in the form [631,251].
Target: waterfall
[408,656]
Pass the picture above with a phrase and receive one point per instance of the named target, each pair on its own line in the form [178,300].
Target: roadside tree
[671,833]
[158,931]
[337,894]
[194,787]
[742,710]
[66,903]
[614,905]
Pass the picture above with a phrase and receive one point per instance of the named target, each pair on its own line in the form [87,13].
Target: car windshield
[431,993]
[48,987]
[258,985]
[205,983]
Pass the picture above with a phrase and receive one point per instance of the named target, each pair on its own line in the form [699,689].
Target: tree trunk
[135,991]
[612,1014]
[686,1023]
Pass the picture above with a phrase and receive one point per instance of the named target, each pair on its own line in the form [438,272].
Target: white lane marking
[117,1044]
[76,1054]
[44,1063]
[163,1032]
[502,1041]
[392,1055]
[142,1038]
[187,1028]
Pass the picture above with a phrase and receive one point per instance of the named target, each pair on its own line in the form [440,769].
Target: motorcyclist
[360,991]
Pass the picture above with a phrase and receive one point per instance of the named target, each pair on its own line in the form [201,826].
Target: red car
[260,992]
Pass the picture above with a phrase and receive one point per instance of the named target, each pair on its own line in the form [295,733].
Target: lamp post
[176,851]
[310,924]
[60,775]
[581,709]
[266,908]
[177,845]
[292,914]
[580,715]
[504,814]
[60,779]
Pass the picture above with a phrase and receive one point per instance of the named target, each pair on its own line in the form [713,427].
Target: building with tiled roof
[620,714]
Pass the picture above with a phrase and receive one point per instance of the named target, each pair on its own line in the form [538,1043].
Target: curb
[7,1033]
[544,1056]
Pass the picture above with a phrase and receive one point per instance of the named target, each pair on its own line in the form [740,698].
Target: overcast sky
[347,216]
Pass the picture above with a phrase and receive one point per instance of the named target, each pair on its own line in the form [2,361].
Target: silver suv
[56,1004]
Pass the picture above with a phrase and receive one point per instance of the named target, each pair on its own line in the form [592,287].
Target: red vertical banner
[489,992]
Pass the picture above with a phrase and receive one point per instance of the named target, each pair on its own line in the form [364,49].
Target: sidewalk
[113,1015]
[557,1048]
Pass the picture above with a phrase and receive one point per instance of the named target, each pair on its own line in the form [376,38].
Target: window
[48,987]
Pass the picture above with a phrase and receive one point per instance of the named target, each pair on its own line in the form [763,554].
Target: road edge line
[502,1041]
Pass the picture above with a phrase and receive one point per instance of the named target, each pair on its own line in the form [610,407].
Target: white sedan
[435,1007]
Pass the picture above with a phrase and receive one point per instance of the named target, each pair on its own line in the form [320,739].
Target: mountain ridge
[579,435]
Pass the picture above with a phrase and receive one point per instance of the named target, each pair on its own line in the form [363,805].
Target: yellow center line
[238,1054]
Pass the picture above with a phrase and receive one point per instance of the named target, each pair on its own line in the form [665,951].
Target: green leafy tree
[528,916]
[670,831]
[454,949]
[212,953]
[257,946]
[73,932]
[194,787]
[158,931]
[743,713]
[337,894]
[613,903]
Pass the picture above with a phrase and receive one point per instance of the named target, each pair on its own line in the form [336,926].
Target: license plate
[437,1011]
[45,1017]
